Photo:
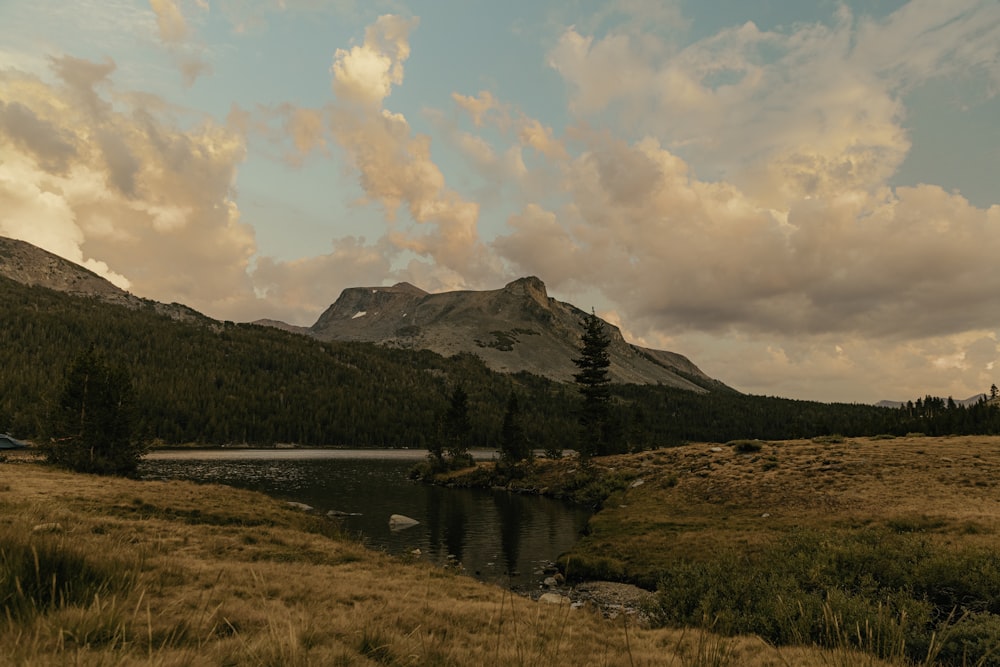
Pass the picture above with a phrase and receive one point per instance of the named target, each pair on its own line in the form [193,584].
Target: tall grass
[42,572]
[893,596]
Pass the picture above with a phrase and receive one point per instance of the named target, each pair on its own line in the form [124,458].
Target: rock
[341,514]
[300,506]
[401,522]
[549,582]
[560,579]
[637,483]
[553,598]
[716,449]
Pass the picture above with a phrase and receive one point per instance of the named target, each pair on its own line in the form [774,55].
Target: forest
[220,383]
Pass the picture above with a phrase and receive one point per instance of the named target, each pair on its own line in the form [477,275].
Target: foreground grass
[98,571]
[887,544]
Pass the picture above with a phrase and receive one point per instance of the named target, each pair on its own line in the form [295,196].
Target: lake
[496,536]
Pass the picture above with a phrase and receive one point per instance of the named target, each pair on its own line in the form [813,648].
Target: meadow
[889,544]
[99,571]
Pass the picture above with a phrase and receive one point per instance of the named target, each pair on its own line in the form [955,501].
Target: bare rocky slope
[29,265]
[516,328]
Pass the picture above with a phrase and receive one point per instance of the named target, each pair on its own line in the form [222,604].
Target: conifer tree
[514,445]
[93,420]
[594,380]
[458,427]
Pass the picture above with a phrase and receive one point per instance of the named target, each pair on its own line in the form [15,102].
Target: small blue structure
[7,442]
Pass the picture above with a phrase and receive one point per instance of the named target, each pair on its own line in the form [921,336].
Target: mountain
[516,328]
[30,265]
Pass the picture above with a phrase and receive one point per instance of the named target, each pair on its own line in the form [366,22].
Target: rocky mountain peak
[530,287]
[513,329]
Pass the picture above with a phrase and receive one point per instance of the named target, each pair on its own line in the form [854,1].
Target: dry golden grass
[219,576]
[699,498]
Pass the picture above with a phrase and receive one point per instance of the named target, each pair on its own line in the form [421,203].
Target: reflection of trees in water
[511,512]
[495,534]
[455,524]
[447,519]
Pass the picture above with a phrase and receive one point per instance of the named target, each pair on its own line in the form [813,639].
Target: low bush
[832,439]
[584,568]
[746,446]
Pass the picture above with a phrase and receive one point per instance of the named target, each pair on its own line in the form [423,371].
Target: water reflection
[495,535]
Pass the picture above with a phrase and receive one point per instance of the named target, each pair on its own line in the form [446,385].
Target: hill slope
[29,265]
[516,328]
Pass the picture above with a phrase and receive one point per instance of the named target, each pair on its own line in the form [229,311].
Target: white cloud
[365,74]
[394,165]
[121,190]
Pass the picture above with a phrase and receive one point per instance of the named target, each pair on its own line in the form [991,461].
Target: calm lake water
[496,536]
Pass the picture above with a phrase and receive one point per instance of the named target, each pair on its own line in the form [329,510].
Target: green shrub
[582,568]
[973,640]
[746,446]
[878,590]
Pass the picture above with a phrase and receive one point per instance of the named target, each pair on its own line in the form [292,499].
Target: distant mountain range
[516,328]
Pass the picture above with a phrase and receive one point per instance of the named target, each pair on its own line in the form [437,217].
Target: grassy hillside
[97,571]
[891,543]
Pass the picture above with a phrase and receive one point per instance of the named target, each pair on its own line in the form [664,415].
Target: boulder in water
[400,521]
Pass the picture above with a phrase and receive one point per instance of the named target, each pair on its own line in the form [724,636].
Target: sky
[801,197]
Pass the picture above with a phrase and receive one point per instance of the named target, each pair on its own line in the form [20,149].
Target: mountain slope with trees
[198,380]
[220,383]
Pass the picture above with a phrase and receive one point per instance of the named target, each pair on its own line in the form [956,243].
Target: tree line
[211,382]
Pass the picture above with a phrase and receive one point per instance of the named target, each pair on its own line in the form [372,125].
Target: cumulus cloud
[394,164]
[809,111]
[365,74]
[681,253]
[152,201]
[51,145]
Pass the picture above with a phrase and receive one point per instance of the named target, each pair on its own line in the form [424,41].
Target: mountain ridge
[518,327]
[30,265]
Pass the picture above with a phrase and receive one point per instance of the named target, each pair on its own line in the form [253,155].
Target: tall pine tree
[458,428]
[594,380]
[93,420]
[514,446]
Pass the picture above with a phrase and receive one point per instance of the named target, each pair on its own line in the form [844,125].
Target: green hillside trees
[92,422]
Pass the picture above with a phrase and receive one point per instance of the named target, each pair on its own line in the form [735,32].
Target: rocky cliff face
[517,328]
